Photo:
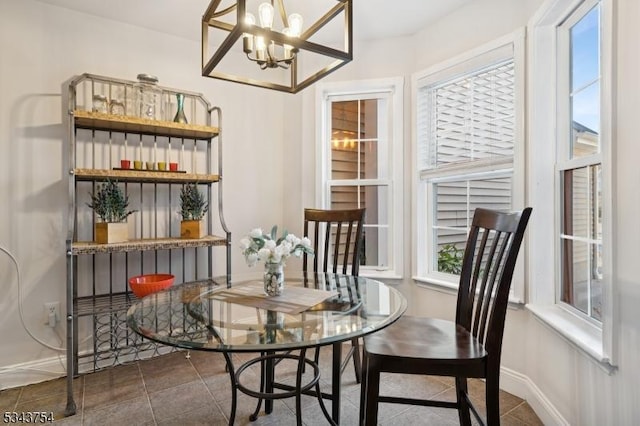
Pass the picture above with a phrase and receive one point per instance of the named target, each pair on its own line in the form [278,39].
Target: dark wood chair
[336,237]
[471,346]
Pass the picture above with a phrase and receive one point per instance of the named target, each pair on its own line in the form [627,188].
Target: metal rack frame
[97,292]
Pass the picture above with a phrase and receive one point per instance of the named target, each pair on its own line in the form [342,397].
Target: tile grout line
[84,388]
[208,390]
[146,392]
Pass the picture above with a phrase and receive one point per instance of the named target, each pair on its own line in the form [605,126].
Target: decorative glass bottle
[180,117]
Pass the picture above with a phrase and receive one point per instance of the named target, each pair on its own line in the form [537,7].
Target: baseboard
[27,373]
[521,386]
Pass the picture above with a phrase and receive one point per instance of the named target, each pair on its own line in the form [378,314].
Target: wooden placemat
[293,300]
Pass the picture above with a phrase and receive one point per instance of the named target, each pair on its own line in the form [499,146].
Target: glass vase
[180,117]
[273,279]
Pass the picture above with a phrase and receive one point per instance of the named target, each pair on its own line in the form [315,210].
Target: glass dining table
[314,310]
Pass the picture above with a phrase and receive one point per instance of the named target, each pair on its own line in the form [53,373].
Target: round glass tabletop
[314,311]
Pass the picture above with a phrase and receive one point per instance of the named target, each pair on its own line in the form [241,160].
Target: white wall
[41,47]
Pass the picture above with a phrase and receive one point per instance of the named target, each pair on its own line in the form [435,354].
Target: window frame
[510,46]
[393,89]
[565,160]
[596,341]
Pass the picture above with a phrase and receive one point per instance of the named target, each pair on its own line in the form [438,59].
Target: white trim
[522,386]
[463,168]
[394,181]
[498,49]
[30,372]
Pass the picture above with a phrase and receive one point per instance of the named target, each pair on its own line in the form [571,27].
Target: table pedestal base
[268,362]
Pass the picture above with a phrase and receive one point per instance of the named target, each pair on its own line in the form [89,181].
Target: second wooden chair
[337,241]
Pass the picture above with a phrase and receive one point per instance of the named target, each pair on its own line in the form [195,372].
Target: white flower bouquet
[258,246]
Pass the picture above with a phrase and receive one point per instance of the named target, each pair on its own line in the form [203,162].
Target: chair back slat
[327,237]
[487,270]
[487,295]
[340,244]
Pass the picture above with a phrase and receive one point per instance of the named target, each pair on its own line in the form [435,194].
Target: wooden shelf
[133,175]
[91,247]
[120,123]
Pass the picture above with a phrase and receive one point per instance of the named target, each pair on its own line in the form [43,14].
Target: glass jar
[99,104]
[148,97]
[116,107]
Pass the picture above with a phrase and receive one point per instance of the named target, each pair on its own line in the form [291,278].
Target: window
[469,140]
[571,121]
[579,164]
[361,151]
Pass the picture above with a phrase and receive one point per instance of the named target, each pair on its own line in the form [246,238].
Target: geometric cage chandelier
[280,51]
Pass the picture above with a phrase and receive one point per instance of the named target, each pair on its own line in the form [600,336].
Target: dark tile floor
[176,390]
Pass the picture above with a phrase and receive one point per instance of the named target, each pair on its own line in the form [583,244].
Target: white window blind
[467,119]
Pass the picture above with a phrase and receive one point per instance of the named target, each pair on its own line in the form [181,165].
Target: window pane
[585,121]
[449,250]
[376,239]
[585,84]
[582,280]
[376,200]
[354,143]
[344,160]
[472,117]
[456,202]
[583,202]
[585,50]
[582,259]
[369,118]
[369,164]
[345,197]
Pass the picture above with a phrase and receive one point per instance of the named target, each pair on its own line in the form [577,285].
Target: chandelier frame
[299,44]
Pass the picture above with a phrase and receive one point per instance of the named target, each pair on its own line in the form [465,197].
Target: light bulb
[295,25]
[260,48]
[265,11]
[287,47]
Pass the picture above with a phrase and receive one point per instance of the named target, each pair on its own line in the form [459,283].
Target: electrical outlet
[51,313]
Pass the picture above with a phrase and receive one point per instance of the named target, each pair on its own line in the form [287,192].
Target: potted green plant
[110,205]
[193,207]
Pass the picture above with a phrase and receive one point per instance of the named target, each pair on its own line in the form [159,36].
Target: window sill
[580,334]
[451,288]
[380,275]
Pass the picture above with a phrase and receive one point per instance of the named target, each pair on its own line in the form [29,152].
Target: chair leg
[369,391]
[363,389]
[357,363]
[492,398]
[461,398]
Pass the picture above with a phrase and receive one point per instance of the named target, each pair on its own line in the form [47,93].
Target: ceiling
[373,19]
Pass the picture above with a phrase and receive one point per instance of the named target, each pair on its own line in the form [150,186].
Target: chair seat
[428,345]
